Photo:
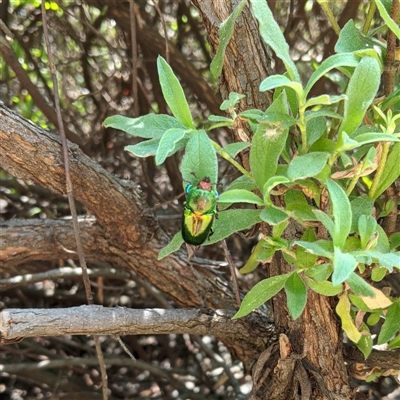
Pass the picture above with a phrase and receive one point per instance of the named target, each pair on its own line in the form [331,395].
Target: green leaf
[315,127]
[325,220]
[318,248]
[395,343]
[144,149]
[372,137]
[270,184]
[232,221]
[366,228]
[225,33]
[325,288]
[200,158]
[232,100]
[167,143]
[267,145]
[343,310]
[387,260]
[275,81]
[392,25]
[343,265]
[243,182]
[273,36]
[296,202]
[150,126]
[351,39]
[395,240]
[341,212]
[296,295]
[304,258]
[240,196]
[254,259]
[320,273]
[391,171]
[272,215]
[361,205]
[260,293]
[378,274]
[324,99]
[234,148]
[365,342]
[253,114]
[361,91]
[359,286]
[174,245]
[307,165]
[173,93]
[391,325]
[335,61]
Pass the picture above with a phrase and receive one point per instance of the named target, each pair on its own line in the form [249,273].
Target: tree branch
[98,320]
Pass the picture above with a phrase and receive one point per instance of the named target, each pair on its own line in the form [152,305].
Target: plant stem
[325,6]
[228,158]
[368,20]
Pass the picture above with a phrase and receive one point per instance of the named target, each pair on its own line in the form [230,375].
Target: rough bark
[310,362]
[122,230]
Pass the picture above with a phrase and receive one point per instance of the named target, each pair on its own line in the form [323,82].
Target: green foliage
[318,157]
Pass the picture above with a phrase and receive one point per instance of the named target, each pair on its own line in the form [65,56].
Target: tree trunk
[310,361]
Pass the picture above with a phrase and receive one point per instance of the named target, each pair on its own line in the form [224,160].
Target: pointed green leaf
[272,215]
[366,228]
[392,25]
[260,293]
[267,145]
[325,288]
[307,165]
[240,196]
[318,248]
[343,265]
[275,81]
[335,61]
[324,99]
[200,159]
[167,143]
[150,126]
[225,33]
[231,221]
[361,205]
[253,261]
[273,36]
[234,148]
[231,101]
[341,212]
[365,342]
[173,93]
[359,286]
[144,149]
[174,245]
[343,310]
[391,325]
[361,91]
[391,171]
[325,220]
[296,295]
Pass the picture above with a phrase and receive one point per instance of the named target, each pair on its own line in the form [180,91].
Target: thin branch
[164,28]
[134,58]
[53,274]
[98,320]
[391,65]
[233,272]
[71,199]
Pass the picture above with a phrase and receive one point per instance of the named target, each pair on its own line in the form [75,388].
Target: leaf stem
[368,19]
